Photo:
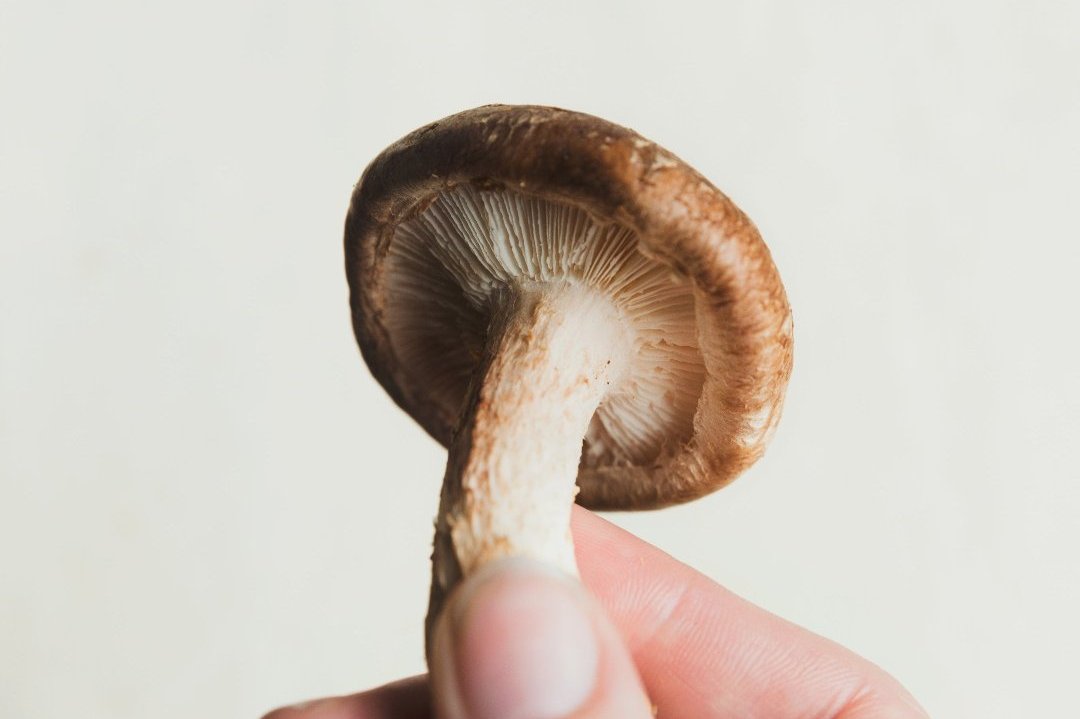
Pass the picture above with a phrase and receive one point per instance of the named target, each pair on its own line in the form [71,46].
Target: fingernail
[518,643]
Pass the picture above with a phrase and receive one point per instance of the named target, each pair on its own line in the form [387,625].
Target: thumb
[519,640]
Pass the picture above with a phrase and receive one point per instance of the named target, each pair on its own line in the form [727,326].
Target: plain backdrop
[208,507]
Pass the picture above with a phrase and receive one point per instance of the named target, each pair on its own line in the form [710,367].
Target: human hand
[517,641]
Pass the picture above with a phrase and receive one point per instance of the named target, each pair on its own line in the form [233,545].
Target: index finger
[703,651]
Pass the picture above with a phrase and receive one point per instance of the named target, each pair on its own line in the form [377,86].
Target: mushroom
[570,309]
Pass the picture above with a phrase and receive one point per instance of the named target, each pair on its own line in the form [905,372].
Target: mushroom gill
[451,267]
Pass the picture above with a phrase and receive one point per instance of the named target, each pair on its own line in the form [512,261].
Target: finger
[704,652]
[518,640]
[405,699]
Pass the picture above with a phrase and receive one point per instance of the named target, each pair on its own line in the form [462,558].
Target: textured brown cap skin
[683,221]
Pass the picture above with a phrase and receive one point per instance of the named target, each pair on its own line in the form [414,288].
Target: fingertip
[520,641]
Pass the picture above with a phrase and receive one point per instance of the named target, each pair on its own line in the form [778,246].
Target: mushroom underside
[452,268]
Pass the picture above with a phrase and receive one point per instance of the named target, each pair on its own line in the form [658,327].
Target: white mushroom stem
[553,352]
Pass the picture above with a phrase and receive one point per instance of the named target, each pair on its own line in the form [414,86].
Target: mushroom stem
[510,480]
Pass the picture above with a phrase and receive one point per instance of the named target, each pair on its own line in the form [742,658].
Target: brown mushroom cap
[739,314]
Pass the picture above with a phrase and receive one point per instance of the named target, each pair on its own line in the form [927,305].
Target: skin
[700,651]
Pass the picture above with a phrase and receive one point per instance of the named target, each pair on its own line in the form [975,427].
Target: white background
[208,507]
